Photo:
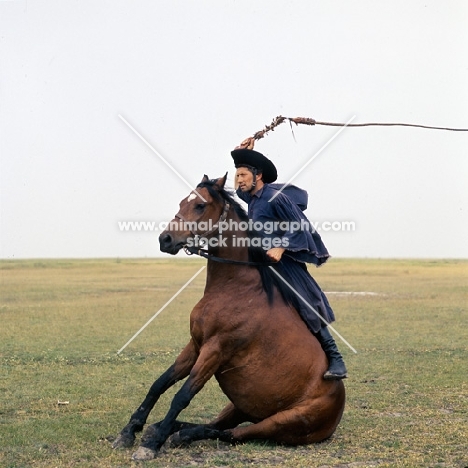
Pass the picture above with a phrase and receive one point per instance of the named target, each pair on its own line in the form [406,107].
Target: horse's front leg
[178,371]
[207,363]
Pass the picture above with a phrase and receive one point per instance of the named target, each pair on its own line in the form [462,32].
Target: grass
[62,322]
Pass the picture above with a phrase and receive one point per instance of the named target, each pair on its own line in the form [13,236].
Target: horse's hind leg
[296,426]
[229,418]
[184,437]
[152,430]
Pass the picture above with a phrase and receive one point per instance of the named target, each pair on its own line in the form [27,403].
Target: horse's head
[198,216]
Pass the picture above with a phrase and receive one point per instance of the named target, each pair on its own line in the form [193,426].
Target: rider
[294,246]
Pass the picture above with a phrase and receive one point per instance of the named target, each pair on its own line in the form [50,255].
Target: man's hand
[276,253]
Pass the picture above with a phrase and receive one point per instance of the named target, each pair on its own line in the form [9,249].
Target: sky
[196,78]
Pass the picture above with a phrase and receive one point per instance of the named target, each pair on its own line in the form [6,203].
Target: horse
[245,334]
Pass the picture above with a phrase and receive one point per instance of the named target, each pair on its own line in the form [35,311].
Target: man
[292,246]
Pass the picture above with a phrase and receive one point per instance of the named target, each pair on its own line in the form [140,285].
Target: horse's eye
[200,207]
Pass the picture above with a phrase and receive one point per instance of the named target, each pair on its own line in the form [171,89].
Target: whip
[249,142]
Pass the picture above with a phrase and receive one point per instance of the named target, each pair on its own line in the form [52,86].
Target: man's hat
[247,157]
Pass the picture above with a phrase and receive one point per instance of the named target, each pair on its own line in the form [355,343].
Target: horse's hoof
[144,453]
[123,441]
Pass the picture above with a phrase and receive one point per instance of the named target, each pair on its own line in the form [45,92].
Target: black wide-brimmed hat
[247,157]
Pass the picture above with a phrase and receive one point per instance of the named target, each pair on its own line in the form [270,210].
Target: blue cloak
[303,244]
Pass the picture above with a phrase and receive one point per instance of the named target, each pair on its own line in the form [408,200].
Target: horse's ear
[221,181]
[205,179]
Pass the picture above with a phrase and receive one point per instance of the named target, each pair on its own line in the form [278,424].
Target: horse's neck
[231,247]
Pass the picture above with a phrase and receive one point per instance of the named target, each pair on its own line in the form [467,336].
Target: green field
[63,321]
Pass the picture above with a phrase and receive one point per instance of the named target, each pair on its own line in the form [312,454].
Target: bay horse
[246,335]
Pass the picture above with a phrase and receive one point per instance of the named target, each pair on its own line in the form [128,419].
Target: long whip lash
[250,141]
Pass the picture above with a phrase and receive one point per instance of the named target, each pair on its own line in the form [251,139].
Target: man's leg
[336,366]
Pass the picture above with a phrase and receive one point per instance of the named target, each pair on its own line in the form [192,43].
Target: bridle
[192,250]
[214,228]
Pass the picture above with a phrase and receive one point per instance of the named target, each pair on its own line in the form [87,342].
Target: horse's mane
[256,254]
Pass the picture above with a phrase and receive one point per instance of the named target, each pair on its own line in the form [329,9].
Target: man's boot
[336,366]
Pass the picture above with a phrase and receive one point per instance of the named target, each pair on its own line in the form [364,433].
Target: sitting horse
[264,358]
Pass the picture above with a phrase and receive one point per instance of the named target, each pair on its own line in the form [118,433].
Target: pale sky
[195,79]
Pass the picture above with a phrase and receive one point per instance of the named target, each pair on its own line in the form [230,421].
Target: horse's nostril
[165,240]
[170,243]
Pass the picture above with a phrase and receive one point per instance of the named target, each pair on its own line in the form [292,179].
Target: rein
[203,253]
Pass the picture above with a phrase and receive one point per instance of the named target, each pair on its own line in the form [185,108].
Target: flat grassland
[63,321]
